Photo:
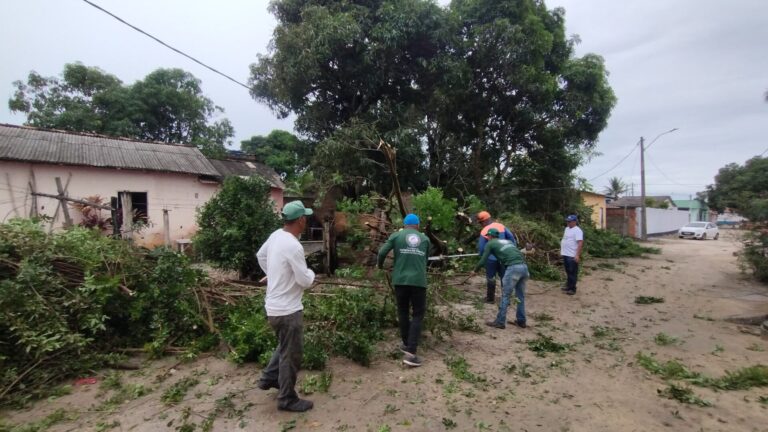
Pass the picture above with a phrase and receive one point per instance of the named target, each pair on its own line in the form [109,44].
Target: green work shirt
[505,251]
[411,251]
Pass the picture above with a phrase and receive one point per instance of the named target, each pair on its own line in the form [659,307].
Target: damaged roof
[28,144]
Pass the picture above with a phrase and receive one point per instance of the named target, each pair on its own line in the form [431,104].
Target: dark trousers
[411,298]
[286,361]
[571,271]
[493,268]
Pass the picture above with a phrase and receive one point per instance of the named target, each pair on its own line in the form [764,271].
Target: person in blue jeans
[570,249]
[515,277]
[493,267]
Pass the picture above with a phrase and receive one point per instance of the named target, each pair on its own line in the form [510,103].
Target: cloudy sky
[697,65]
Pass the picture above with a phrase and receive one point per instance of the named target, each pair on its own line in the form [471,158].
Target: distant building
[149,177]
[697,210]
[597,202]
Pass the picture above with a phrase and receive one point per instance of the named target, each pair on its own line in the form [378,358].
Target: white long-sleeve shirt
[282,259]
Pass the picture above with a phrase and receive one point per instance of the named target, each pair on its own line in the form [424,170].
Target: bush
[607,244]
[234,224]
[754,257]
[442,210]
[68,299]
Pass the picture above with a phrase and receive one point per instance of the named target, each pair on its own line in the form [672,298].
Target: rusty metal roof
[21,143]
[247,168]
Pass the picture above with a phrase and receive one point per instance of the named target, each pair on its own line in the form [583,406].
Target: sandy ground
[595,386]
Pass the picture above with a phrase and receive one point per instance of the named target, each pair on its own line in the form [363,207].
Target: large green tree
[483,96]
[288,154]
[168,105]
[743,188]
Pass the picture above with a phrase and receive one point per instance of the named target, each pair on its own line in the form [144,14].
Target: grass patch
[648,300]
[684,395]
[743,379]
[703,317]
[51,419]
[740,379]
[663,339]
[520,368]
[460,370]
[316,383]
[175,393]
[544,344]
[606,266]
[755,347]
[542,317]
[671,369]
[601,332]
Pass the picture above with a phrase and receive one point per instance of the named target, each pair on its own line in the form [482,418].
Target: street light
[644,222]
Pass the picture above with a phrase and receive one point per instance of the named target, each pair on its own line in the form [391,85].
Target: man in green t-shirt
[409,277]
[515,277]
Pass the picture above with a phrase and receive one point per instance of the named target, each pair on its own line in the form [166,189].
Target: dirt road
[496,382]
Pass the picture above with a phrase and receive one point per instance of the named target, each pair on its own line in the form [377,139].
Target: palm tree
[616,187]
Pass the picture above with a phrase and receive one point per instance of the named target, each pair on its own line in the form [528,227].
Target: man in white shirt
[282,259]
[570,249]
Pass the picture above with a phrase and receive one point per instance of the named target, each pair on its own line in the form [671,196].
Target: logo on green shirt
[413,240]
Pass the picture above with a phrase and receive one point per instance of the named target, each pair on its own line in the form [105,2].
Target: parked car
[699,230]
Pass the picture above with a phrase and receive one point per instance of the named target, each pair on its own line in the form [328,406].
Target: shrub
[442,210]
[68,299]
[754,257]
[234,223]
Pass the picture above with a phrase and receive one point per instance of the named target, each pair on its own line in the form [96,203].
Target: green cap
[294,210]
[493,232]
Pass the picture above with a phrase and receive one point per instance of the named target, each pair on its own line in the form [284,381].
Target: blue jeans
[571,271]
[493,268]
[514,279]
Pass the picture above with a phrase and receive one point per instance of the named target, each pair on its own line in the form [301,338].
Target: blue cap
[571,218]
[411,219]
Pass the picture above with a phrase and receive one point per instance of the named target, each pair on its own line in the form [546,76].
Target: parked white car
[699,230]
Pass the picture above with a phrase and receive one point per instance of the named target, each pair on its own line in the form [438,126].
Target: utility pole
[643,222]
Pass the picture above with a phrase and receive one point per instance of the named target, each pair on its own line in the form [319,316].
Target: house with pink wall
[152,179]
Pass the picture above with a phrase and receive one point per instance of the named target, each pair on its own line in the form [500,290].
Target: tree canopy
[482,96]
[168,105]
[288,154]
[743,188]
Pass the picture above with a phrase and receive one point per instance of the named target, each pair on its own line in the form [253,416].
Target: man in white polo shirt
[570,249]
[282,259]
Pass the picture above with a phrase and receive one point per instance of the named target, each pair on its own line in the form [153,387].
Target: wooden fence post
[166,228]
[63,202]
[125,200]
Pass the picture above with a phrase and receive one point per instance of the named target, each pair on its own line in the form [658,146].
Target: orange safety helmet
[483,216]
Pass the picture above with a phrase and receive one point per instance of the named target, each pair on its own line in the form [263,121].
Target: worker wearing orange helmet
[493,267]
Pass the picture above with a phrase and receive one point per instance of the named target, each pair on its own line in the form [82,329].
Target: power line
[659,170]
[619,163]
[766,151]
[166,45]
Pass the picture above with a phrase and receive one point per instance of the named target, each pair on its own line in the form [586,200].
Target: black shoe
[299,405]
[266,385]
[495,324]
[412,360]
[570,292]
[490,301]
[403,349]
[520,324]
[564,288]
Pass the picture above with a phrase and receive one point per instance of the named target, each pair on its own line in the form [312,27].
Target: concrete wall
[661,221]
[181,194]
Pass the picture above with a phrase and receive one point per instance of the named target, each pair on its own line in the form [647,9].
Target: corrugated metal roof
[237,167]
[37,145]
